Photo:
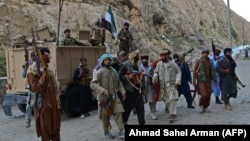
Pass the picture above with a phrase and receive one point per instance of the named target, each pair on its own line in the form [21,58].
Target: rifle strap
[133,84]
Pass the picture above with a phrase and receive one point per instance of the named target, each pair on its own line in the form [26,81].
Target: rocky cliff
[174,24]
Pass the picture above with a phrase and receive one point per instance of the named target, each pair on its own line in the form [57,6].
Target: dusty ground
[89,129]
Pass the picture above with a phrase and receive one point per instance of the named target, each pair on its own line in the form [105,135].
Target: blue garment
[215,88]
[184,87]
[29,108]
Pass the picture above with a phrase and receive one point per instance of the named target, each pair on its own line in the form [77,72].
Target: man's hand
[123,97]
[194,84]
[155,81]
[228,71]
[131,76]
[176,85]
[106,93]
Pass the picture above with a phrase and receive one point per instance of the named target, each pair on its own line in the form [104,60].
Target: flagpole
[229,24]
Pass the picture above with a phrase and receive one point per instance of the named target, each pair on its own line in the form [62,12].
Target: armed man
[125,37]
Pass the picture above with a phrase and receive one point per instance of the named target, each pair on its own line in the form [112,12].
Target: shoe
[121,134]
[89,114]
[217,101]
[166,110]
[27,123]
[190,107]
[228,107]
[153,116]
[109,135]
[172,118]
[82,116]
[134,111]
[205,110]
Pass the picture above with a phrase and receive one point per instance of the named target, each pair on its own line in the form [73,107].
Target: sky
[241,7]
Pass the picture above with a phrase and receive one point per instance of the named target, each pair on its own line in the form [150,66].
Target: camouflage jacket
[127,35]
[71,42]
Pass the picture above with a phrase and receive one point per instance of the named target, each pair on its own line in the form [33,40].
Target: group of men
[128,84]
[215,74]
[98,36]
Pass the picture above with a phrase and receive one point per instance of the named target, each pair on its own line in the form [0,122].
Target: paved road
[89,129]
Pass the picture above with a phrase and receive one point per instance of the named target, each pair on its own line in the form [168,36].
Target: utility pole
[59,20]
[229,24]
[243,34]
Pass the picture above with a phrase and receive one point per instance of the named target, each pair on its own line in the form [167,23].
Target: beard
[145,64]
[107,65]
[164,59]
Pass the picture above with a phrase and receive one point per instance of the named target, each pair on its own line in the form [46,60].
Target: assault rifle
[26,52]
[109,109]
[234,75]
[39,57]
[109,105]
[140,72]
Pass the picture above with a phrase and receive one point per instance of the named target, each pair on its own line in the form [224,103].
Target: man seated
[98,32]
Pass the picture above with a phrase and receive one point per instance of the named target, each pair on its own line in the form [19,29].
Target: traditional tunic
[147,87]
[48,117]
[215,88]
[168,74]
[186,78]
[85,95]
[228,82]
[108,79]
[204,73]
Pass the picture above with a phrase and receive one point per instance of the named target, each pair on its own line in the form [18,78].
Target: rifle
[109,105]
[109,109]
[194,93]
[234,75]
[39,57]
[185,54]
[238,80]
[26,52]
[140,72]
[137,78]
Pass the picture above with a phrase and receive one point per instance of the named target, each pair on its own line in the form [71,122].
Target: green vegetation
[192,42]
[3,72]
[177,41]
[214,25]
[234,33]
[201,23]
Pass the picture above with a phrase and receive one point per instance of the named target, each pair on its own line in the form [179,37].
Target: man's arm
[76,76]
[37,83]
[119,35]
[95,84]
[94,24]
[76,42]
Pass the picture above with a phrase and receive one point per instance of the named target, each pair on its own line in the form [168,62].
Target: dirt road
[89,129]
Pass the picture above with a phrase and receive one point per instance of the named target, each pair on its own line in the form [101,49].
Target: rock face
[174,24]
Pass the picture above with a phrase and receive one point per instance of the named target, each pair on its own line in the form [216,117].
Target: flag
[110,22]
